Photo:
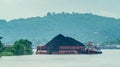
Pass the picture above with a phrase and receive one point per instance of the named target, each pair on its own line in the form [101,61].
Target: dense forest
[82,27]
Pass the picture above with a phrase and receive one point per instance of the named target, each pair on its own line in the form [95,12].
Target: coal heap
[61,40]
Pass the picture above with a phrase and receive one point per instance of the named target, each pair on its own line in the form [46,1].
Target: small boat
[92,49]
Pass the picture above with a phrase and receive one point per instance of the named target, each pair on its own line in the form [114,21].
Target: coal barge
[67,45]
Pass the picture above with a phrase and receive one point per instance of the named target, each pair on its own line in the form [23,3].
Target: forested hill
[82,27]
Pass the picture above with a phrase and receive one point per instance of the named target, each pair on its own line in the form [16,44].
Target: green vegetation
[7,54]
[83,27]
[0,48]
[20,47]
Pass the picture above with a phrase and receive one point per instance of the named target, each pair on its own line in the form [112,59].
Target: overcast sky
[11,9]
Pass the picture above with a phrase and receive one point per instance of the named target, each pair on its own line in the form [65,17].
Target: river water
[109,58]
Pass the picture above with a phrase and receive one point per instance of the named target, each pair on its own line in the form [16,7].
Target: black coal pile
[61,40]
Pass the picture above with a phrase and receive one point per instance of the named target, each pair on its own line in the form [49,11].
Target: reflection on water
[109,58]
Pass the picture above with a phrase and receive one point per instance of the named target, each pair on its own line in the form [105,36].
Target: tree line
[20,47]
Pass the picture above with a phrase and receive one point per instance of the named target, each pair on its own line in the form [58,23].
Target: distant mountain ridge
[40,30]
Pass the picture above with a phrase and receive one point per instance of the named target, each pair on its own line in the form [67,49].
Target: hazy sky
[10,9]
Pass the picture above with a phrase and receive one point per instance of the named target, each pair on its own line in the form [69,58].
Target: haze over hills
[40,30]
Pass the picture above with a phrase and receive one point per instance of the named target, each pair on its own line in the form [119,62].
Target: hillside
[40,30]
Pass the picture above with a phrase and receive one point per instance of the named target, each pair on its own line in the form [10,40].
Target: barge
[66,45]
